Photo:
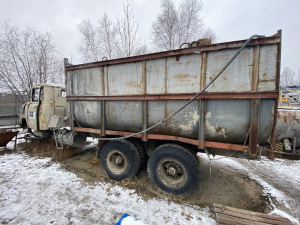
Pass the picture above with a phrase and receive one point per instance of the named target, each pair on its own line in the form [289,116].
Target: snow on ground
[37,191]
[280,179]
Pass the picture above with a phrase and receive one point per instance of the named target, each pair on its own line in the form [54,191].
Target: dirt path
[225,185]
[281,180]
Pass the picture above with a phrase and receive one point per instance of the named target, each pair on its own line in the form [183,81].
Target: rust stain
[6,136]
[266,129]
[289,117]
[228,45]
[262,81]
[182,76]
[219,95]
[219,129]
[166,75]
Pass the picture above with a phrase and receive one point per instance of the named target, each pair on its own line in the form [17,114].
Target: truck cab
[45,100]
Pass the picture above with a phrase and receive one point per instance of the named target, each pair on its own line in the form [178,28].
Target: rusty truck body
[113,99]
[45,101]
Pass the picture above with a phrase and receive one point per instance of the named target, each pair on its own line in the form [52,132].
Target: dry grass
[47,148]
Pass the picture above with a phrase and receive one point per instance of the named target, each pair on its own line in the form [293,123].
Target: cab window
[35,94]
[63,93]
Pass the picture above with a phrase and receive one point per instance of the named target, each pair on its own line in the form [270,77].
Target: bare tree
[107,35]
[210,34]
[142,49]
[165,27]
[287,77]
[190,25]
[27,57]
[111,39]
[90,44]
[298,77]
[128,31]
[173,26]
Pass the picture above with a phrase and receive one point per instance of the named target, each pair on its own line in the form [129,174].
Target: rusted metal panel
[169,138]
[184,124]
[266,119]
[138,92]
[237,77]
[81,79]
[183,74]
[254,124]
[87,113]
[177,96]
[123,115]
[267,68]
[288,125]
[155,76]
[145,119]
[275,39]
[125,79]
[102,114]
[224,119]
[227,120]
[88,130]
[201,130]
[6,136]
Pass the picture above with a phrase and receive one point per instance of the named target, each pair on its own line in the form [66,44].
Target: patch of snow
[280,179]
[10,127]
[37,191]
[284,214]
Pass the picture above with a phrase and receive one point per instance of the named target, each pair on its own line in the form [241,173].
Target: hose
[192,99]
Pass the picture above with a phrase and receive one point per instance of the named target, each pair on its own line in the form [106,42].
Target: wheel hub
[172,171]
[116,162]
[119,160]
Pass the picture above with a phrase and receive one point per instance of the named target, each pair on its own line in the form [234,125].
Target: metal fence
[10,105]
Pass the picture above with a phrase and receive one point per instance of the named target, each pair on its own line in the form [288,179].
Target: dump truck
[160,109]
[45,100]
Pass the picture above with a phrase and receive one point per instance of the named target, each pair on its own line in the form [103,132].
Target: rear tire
[142,152]
[120,159]
[174,169]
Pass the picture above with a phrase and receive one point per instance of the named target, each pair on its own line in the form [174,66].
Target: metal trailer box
[127,95]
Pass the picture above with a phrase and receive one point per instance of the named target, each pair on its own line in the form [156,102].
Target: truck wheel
[120,159]
[142,152]
[174,169]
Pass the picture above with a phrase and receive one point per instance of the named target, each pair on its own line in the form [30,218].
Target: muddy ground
[225,185]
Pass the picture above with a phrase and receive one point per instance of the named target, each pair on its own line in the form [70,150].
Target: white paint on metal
[190,121]
[212,130]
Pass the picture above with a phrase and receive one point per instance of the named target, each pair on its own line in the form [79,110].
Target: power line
[64,9]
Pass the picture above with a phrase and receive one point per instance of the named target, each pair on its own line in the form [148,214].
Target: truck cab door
[60,102]
[33,108]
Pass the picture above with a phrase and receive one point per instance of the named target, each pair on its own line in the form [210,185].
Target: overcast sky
[230,19]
